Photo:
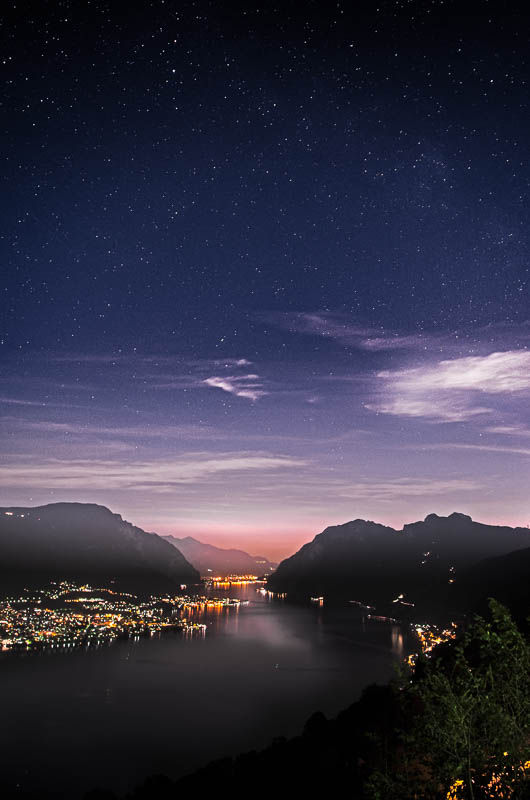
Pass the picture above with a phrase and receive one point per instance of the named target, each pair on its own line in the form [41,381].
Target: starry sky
[265,268]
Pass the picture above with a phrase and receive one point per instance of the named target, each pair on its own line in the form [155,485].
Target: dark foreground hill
[432,563]
[86,542]
[506,577]
[217,560]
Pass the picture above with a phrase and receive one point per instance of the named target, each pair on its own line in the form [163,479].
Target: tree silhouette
[471,726]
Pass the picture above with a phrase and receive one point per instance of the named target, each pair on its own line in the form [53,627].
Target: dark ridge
[87,542]
[430,562]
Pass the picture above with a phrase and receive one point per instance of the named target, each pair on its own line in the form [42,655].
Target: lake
[111,716]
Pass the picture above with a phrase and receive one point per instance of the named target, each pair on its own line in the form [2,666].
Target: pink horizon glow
[273,543]
[277,543]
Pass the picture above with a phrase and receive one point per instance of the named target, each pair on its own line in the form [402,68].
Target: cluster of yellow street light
[68,615]
[429,637]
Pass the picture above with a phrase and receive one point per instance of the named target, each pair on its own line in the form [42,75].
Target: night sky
[265,269]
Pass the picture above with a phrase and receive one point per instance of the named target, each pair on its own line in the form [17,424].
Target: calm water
[110,717]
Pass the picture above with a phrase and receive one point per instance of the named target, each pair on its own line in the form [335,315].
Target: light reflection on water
[171,703]
[398,646]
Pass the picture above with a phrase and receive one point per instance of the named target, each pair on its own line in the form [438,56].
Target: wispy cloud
[408,487]
[247,386]
[15,401]
[229,362]
[320,323]
[340,328]
[429,407]
[20,401]
[487,448]
[449,390]
[325,486]
[155,431]
[509,430]
[156,476]
[178,371]
[496,373]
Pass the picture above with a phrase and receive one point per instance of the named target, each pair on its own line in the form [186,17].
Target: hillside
[506,578]
[426,561]
[85,542]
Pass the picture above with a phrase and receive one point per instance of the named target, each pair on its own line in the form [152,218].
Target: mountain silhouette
[425,561]
[82,541]
[211,560]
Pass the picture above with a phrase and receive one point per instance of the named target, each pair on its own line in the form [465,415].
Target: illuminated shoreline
[66,615]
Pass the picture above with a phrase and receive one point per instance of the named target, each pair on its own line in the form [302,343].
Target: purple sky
[264,454]
[265,270]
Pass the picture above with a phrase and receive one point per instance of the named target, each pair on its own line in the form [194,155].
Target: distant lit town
[234,580]
[66,614]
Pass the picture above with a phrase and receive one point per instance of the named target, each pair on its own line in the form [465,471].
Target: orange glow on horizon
[277,543]
[274,544]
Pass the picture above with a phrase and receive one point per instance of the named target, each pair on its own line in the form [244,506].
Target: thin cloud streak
[510,430]
[183,432]
[409,487]
[434,409]
[247,386]
[134,431]
[157,476]
[391,489]
[521,451]
[336,326]
[15,401]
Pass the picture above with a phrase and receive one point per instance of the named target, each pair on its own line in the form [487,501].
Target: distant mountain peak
[208,558]
[459,515]
[455,515]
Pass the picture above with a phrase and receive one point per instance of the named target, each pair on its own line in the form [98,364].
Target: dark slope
[209,559]
[506,578]
[85,542]
[338,559]
[363,560]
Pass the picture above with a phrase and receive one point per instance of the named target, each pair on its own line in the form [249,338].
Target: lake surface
[112,716]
